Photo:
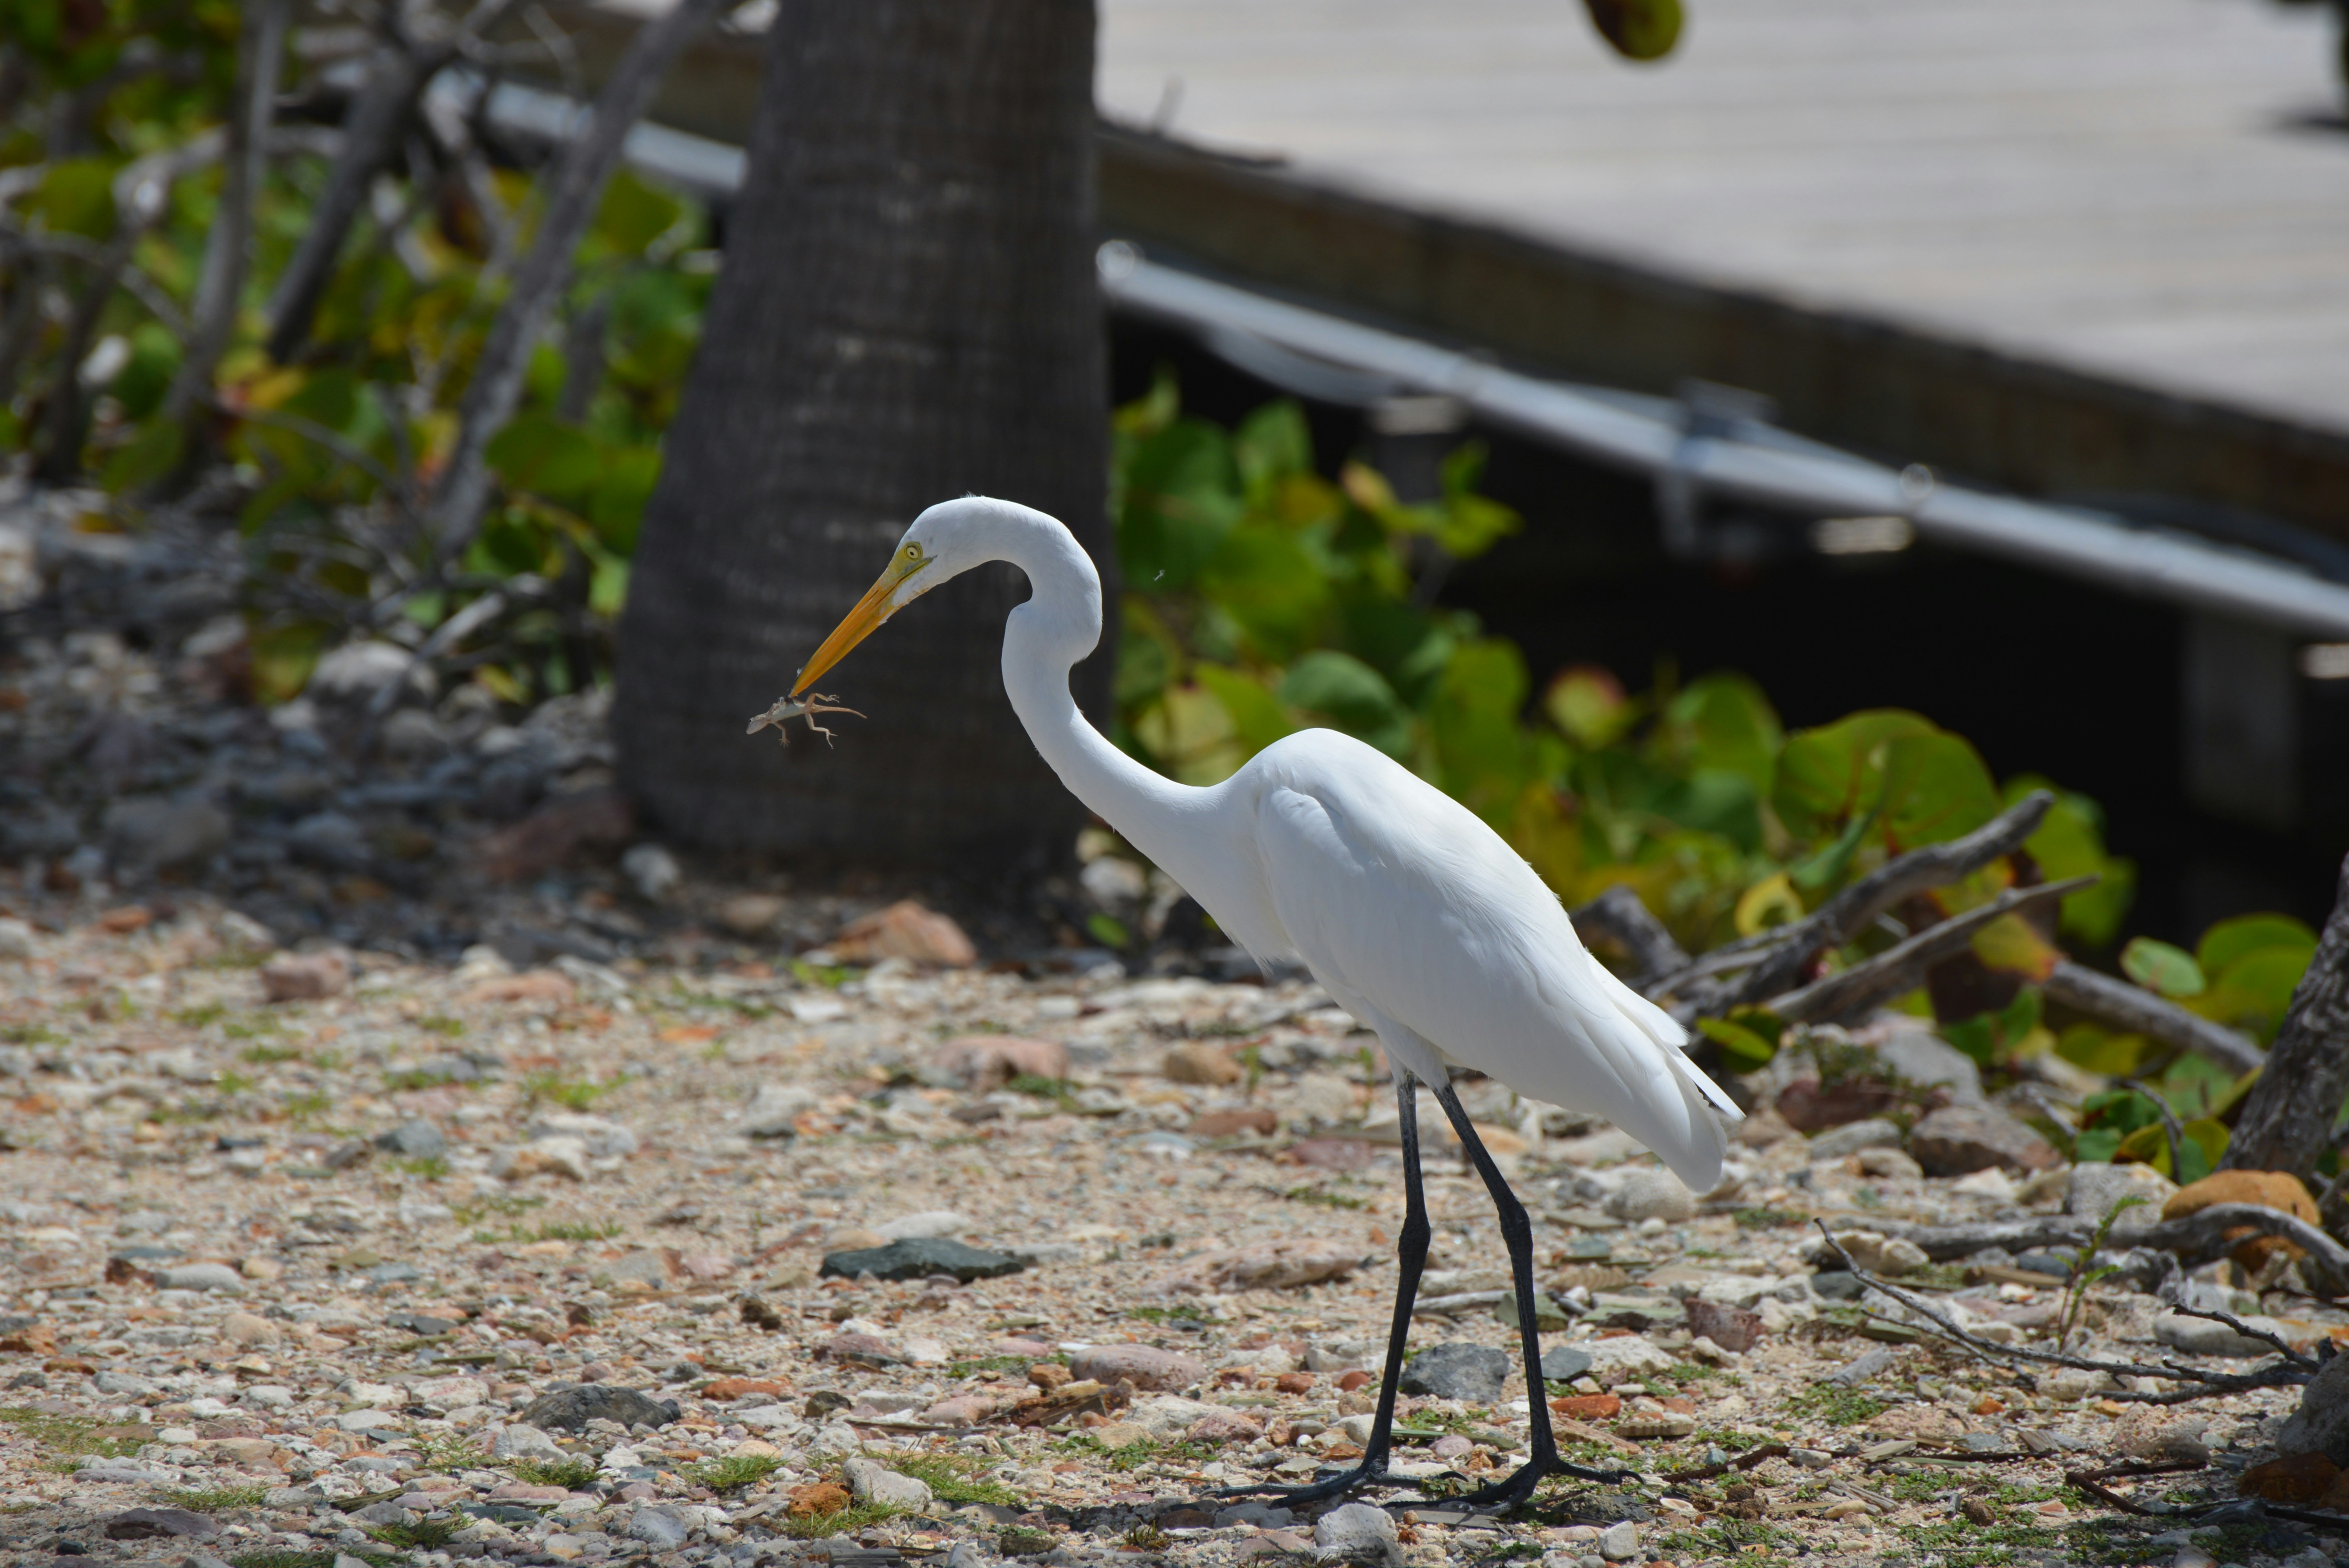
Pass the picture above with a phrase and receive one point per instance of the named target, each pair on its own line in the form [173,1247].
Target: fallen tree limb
[1901,968]
[2290,1115]
[1850,912]
[2292,1371]
[1618,916]
[2197,1238]
[2136,1011]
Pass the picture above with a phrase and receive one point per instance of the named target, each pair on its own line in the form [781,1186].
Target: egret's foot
[1518,1488]
[1339,1485]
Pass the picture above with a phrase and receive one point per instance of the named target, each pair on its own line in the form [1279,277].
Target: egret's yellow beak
[861,622]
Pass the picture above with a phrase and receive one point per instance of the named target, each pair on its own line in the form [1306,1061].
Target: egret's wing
[1395,893]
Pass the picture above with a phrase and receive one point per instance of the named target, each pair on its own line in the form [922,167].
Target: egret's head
[936,547]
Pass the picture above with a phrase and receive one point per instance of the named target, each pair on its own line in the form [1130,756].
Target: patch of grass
[1148,1537]
[1181,1311]
[1836,1407]
[1135,1455]
[233,1084]
[832,976]
[507,1204]
[848,1521]
[267,1056]
[216,1498]
[1768,1219]
[308,1107]
[571,1473]
[954,1478]
[252,1026]
[575,1095]
[31,1035]
[1060,1091]
[1727,1538]
[440,1023]
[198,1016]
[450,1452]
[1323,1197]
[1960,1543]
[424,1535]
[411,1078]
[72,1437]
[431,1167]
[736,1472]
[570,1230]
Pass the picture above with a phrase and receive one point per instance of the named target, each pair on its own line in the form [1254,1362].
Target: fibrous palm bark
[907,312]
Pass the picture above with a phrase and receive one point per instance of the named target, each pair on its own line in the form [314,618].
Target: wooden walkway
[2153,190]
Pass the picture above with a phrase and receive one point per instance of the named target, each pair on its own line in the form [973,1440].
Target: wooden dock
[2101,246]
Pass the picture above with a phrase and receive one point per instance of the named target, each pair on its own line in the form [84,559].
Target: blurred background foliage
[1263,593]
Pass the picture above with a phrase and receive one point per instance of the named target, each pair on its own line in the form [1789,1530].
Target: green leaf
[541,454]
[2255,991]
[1722,721]
[1588,705]
[615,504]
[1749,1040]
[147,376]
[1935,788]
[1144,668]
[1638,29]
[1272,444]
[2230,940]
[1348,691]
[2069,843]
[145,458]
[1828,776]
[1181,496]
[1267,580]
[1469,524]
[634,215]
[2105,1053]
[1256,716]
[2158,966]
[76,197]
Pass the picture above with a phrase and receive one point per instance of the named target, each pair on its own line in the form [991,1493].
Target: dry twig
[1901,968]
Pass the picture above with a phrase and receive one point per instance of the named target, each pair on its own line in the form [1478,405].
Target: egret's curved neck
[1059,623]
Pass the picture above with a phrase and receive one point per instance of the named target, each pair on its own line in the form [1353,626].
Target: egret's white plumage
[1415,916]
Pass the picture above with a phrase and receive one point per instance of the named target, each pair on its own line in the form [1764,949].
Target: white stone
[930,1224]
[1626,1355]
[876,1483]
[2202,1337]
[1620,1541]
[1356,1532]
[776,1107]
[521,1442]
[604,1138]
[1651,1195]
[2092,1191]
[1169,1415]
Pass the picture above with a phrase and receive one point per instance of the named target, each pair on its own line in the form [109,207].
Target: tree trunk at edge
[2288,1119]
[907,312]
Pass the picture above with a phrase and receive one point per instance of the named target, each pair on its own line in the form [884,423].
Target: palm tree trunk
[907,312]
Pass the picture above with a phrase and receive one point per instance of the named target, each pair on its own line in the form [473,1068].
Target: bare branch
[228,248]
[2138,1011]
[577,185]
[1852,911]
[1618,916]
[1902,967]
[2292,1111]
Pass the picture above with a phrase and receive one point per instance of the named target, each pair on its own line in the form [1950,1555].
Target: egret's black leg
[1411,1257]
[1517,1231]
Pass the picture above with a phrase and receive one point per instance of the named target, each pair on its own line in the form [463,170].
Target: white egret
[1413,913]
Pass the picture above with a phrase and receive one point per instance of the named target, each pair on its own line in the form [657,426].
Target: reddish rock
[1587,1407]
[962,1410]
[1224,1427]
[986,1062]
[1030,1348]
[1329,1154]
[523,1491]
[551,835]
[1349,1381]
[1959,1139]
[1808,1107]
[816,1501]
[1297,1382]
[1143,1366]
[722,1390]
[1049,1375]
[2267,1189]
[2298,1477]
[1231,1123]
[860,1347]
[904,929]
[1198,1062]
[306,977]
[1731,1328]
[531,985]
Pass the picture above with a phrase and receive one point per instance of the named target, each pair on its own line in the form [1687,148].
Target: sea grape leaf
[1271,445]
[2069,843]
[1722,721]
[2011,945]
[541,454]
[1935,788]
[1638,29]
[1349,691]
[2158,966]
[1829,775]
[2230,940]
[1181,496]
[633,214]
[1588,705]
[1255,715]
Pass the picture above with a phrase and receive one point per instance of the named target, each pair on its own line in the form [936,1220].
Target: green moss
[1021,1542]
[1836,1407]
[217,1499]
[1323,1197]
[424,1535]
[847,1521]
[1768,1219]
[73,1436]
[572,1474]
[953,1478]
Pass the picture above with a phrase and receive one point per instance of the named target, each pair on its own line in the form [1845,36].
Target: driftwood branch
[1618,916]
[228,248]
[2197,1238]
[1852,911]
[1901,968]
[2193,1382]
[2138,1011]
[575,188]
[2289,1117]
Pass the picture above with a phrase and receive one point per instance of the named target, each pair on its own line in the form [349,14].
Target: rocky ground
[405,1161]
